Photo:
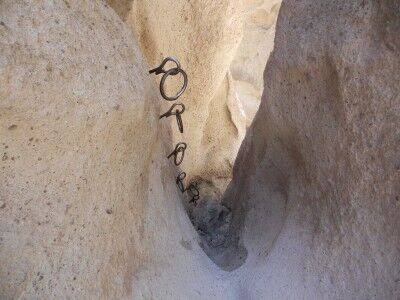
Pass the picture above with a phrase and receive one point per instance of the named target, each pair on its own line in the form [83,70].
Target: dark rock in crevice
[219,237]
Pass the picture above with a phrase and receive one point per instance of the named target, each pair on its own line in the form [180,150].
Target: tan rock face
[88,202]
[77,131]
[204,35]
[323,154]
[212,39]
[248,65]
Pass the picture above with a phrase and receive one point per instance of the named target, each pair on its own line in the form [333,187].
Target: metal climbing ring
[179,181]
[177,113]
[179,148]
[174,71]
[193,189]
[160,69]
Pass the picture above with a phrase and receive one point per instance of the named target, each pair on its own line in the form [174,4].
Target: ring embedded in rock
[192,188]
[179,148]
[162,82]
[177,113]
[195,193]
[179,181]
[173,72]
[160,69]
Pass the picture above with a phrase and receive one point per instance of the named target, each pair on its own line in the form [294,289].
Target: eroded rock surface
[322,157]
[76,110]
[223,46]
[88,202]
[247,67]
[89,208]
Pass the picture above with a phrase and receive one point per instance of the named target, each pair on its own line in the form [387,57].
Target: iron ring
[174,71]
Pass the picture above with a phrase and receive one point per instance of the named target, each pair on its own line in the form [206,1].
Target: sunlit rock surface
[247,67]
[89,208]
[88,203]
[223,46]
[319,170]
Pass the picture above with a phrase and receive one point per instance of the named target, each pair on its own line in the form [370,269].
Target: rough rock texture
[247,67]
[88,203]
[76,112]
[325,144]
[204,35]
[83,208]
[212,39]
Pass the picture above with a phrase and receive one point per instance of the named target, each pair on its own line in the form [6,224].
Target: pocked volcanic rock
[76,111]
[223,46]
[88,202]
[316,189]
[79,132]
[89,207]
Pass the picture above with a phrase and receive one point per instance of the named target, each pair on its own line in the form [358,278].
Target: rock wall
[247,67]
[88,202]
[222,45]
[79,133]
[320,165]
[76,111]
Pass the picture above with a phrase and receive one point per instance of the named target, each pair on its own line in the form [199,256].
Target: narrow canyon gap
[88,202]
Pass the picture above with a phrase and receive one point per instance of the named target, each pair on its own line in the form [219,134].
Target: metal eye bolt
[179,148]
[177,113]
[173,72]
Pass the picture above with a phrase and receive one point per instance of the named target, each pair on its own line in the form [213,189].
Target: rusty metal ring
[179,181]
[179,148]
[179,122]
[177,113]
[194,191]
[160,69]
[174,71]
[170,112]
